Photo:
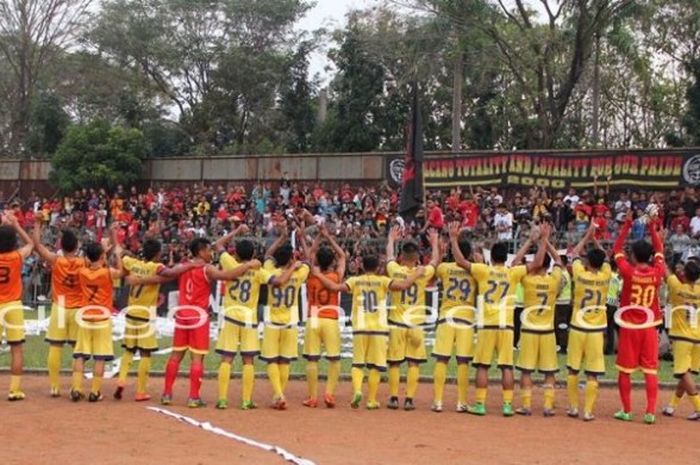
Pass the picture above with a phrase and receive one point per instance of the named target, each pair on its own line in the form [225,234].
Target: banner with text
[657,170]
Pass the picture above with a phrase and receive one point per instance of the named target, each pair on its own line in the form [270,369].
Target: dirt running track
[41,430]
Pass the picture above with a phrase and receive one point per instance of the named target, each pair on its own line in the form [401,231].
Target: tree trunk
[595,137]
[457,102]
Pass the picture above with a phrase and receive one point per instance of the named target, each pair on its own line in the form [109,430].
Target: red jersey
[194,289]
[321,300]
[641,282]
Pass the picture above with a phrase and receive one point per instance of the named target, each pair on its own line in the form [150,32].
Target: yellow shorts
[686,357]
[406,345]
[324,331]
[94,341]
[588,347]
[279,344]
[489,341]
[538,352]
[12,322]
[140,335]
[449,336]
[63,327]
[369,350]
[236,337]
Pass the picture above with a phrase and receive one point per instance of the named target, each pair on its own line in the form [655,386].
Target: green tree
[296,101]
[691,120]
[98,155]
[48,122]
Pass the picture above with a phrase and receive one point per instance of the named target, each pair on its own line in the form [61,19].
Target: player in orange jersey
[66,297]
[11,309]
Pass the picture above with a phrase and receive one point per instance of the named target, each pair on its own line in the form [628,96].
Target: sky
[329,14]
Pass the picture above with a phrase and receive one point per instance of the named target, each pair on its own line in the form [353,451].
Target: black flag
[412,180]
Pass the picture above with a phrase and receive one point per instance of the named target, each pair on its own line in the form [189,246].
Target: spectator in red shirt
[435,217]
[469,211]
[680,219]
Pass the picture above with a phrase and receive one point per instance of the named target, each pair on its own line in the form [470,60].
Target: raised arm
[541,249]
[460,259]
[435,252]
[279,242]
[622,237]
[554,253]
[394,235]
[220,245]
[28,246]
[340,255]
[45,254]
[656,241]
[584,240]
[522,251]
[118,270]
[408,282]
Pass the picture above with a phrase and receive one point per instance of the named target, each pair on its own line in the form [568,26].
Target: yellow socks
[548,396]
[695,400]
[273,373]
[284,375]
[675,400]
[96,384]
[15,381]
[358,376]
[224,377]
[572,390]
[480,395]
[127,358]
[591,395]
[439,377]
[248,382]
[54,364]
[144,370]
[394,380]
[312,378]
[333,375]
[77,381]
[373,381]
[462,382]
[412,381]
[507,396]
[526,395]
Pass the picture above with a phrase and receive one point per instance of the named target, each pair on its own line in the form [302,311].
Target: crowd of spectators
[358,215]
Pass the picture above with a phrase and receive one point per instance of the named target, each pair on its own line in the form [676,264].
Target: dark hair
[564,259]
[69,241]
[499,252]
[465,247]
[151,249]
[8,239]
[93,251]
[692,271]
[283,255]
[642,251]
[370,263]
[596,258]
[547,261]
[245,250]
[325,257]
[409,248]
[197,245]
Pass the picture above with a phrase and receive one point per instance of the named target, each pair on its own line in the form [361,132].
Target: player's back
[96,288]
[590,293]
[64,281]
[684,302]
[194,291]
[369,297]
[497,285]
[322,302]
[408,300]
[640,293]
[459,290]
[10,277]
[282,301]
[539,298]
[143,296]
[241,296]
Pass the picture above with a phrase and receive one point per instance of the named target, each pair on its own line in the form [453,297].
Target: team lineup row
[83,288]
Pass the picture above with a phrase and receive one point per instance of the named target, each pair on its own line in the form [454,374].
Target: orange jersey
[96,288]
[10,277]
[64,281]
[321,300]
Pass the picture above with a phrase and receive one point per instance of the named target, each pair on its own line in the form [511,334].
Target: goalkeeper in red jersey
[639,316]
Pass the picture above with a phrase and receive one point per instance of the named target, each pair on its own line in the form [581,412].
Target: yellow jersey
[497,285]
[458,293]
[590,297]
[411,300]
[684,300]
[369,309]
[282,302]
[242,294]
[143,298]
[539,298]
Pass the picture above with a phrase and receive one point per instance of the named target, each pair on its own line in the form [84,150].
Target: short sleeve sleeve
[577,267]
[263,276]
[351,283]
[673,283]
[128,263]
[227,262]
[429,272]
[304,271]
[391,267]
[517,273]
[480,271]
[440,271]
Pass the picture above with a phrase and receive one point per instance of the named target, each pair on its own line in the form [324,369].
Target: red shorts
[190,336]
[638,349]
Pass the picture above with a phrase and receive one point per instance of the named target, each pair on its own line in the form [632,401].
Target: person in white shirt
[695,224]
[503,222]
[572,197]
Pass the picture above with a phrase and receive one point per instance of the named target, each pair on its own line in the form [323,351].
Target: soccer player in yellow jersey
[407,316]
[239,332]
[369,323]
[140,331]
[684,332]
[455,327]
[495,308]
[280,344]
[588,323]
[538,344]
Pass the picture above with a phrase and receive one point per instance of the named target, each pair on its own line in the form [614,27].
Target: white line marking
[206,426]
